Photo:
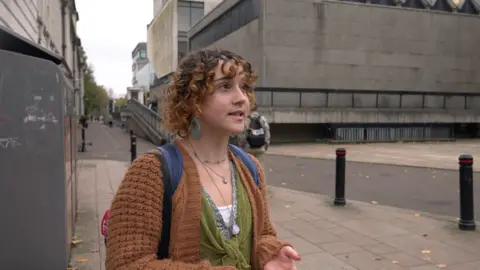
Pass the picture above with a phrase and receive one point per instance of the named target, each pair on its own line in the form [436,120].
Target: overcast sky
[110,30]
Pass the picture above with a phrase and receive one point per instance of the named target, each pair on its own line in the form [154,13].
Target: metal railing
[150,117]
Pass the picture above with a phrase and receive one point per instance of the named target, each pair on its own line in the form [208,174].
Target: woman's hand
[284,260]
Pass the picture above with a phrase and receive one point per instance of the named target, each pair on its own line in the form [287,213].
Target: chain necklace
[235,229]
[206,161]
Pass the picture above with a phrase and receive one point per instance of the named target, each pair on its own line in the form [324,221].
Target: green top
[227,252]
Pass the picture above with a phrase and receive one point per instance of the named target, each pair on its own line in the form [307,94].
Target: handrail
[150,117]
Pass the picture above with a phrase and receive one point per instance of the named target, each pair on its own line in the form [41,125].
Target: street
[417,188]
[422,189]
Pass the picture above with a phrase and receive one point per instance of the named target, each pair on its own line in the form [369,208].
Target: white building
[142,71]
[51,24]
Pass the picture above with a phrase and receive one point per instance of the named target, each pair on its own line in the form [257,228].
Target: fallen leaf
[76,240]
[424,235]
[441,265]
[81,260]
[366,176]
[395,262]
[374,202]
[416,214]
[426,251]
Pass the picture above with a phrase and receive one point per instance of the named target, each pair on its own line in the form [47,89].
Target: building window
[189,13]
[183,18]
[143,54]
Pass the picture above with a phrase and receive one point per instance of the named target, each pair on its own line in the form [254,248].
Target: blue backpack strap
[247,160]
[171,166]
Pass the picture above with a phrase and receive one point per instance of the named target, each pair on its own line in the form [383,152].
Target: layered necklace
[234,228]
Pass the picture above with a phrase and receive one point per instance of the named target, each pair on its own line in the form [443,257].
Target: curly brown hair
[194,81]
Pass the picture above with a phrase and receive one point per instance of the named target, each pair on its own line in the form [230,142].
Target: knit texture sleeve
[135,222]
[268,245]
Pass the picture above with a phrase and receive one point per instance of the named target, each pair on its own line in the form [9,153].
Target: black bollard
[82,148]
[133,146]
[467,216]
[340,177]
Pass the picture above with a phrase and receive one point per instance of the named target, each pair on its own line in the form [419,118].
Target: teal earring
[194,128]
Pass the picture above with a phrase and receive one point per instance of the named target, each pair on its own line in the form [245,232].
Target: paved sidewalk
[363,236]
[441,155]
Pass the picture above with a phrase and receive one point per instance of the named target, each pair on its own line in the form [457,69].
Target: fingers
[291,253]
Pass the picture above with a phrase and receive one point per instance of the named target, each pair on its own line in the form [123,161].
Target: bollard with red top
[340,177]
[467,216]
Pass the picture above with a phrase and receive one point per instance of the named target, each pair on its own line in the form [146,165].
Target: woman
[219,213]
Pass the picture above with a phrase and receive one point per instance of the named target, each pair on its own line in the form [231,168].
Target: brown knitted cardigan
[135,222]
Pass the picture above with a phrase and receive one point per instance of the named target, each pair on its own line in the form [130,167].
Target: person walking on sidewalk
[198,203]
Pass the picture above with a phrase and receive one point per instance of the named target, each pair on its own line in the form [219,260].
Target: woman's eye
[246,87]
[225,86]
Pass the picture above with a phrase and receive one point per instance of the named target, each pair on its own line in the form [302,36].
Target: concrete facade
[167,33]
[342,62]
[51,24]
[376,48]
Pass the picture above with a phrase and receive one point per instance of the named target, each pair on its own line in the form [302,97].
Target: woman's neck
[209,148]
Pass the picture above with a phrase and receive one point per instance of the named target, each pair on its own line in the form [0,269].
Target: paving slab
[442,155]
[358,236]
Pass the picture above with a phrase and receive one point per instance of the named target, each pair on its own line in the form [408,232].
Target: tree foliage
[119,102]
[95,97]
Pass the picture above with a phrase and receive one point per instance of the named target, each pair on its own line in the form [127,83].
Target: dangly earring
[194,128]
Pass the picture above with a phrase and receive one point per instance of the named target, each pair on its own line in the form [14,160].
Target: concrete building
[52,24]
[137,94]
[356,71]
[167,35]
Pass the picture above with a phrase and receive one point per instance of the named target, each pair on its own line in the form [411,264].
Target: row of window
[189,13]
[237,16]
[469,6]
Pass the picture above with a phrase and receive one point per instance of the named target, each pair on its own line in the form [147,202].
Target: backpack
[256,133]
[171,178]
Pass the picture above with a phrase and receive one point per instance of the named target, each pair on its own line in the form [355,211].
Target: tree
[95,97]
[119,102]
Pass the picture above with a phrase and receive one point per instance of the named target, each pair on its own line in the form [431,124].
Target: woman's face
[225,110]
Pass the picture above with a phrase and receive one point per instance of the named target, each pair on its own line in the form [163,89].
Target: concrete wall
[246,42]
[162,39]
[342,45]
